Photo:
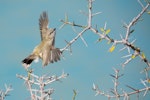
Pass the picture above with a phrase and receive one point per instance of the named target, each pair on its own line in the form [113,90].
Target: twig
[4,94]
[36,85]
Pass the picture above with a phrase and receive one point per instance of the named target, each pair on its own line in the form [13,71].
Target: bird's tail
[28,60]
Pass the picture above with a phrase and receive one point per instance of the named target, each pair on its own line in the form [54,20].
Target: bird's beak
[53,33]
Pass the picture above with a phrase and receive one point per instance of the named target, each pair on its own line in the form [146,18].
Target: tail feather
[28,60]
[47,57]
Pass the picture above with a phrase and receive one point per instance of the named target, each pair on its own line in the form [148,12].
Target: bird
[46,50]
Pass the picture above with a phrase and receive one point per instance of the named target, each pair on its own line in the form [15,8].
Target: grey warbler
[46,50]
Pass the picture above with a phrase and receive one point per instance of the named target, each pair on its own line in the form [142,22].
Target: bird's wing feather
[43,24]
[55,55]
[51,56]
[46,55]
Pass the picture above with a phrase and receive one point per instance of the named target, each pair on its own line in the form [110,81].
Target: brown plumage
[45,50]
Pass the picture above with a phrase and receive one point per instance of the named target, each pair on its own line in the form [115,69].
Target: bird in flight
[46,50]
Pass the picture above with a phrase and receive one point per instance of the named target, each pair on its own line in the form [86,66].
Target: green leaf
[66,18]
[131,31]
[148,12]
[133,56]
[74,96]
[109,41]
[102,29]
[148,80]
[100,39]
[112,48]
[107,31]
[143,55]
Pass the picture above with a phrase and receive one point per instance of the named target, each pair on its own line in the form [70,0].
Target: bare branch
[115,92]
[4,94]
[134,20]
[74,39]
[124,41]
[37,85]
[81,37]
[141,3]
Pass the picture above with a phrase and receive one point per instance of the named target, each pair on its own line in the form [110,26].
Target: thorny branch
[5,93]
[103,34]
[124,94]
[124,41]
[37,85]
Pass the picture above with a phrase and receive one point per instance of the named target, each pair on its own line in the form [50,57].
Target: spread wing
[43,24]
[51,55]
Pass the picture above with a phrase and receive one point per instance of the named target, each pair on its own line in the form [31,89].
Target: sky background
[19,34]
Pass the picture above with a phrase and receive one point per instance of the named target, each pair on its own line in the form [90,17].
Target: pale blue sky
[19,34]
